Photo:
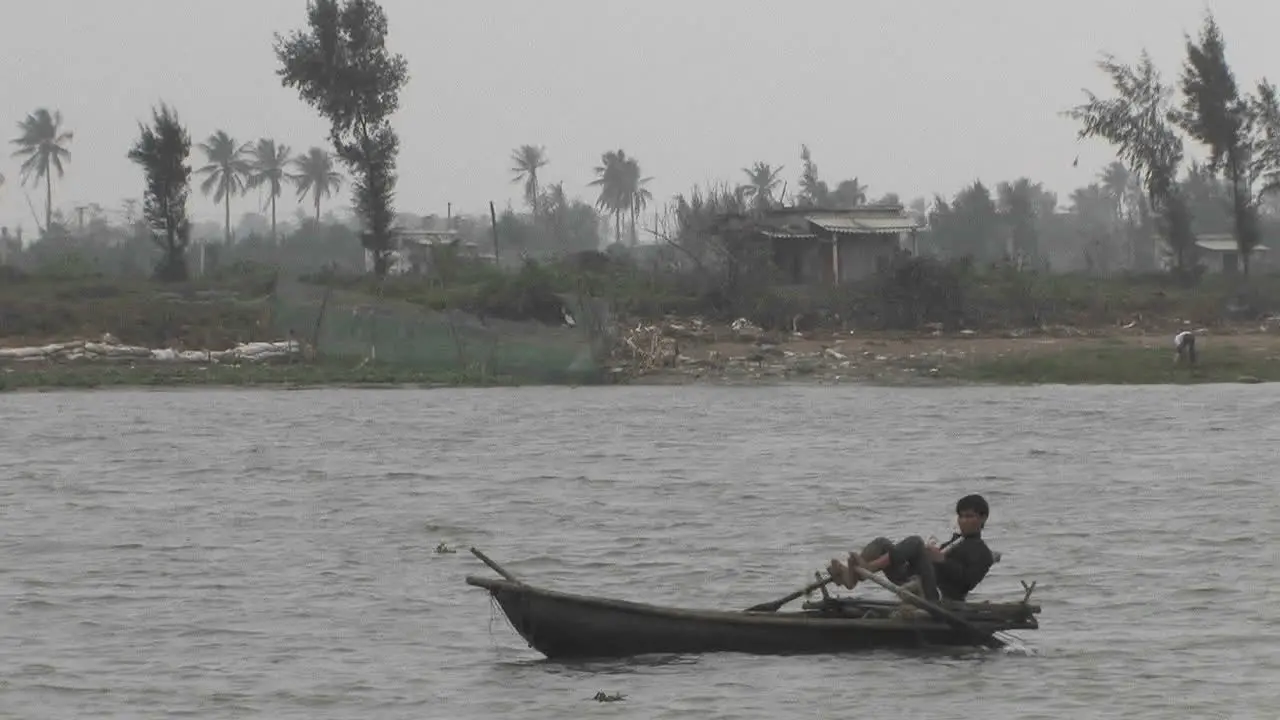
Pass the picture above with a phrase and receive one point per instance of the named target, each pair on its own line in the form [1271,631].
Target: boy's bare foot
[840,573]
[854,559]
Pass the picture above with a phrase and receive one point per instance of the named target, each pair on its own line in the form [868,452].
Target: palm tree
[615,193]
[812,190]
[43,144]
[526,161]
[227,173]
[1116,183]
[316,176]
[638,196]
[762,180]
[555,204]
[267,162]
[849,193]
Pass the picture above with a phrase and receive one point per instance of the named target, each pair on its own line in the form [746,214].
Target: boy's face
[968,521]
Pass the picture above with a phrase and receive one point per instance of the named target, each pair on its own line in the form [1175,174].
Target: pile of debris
[643,348]
[646,347]
[111,350]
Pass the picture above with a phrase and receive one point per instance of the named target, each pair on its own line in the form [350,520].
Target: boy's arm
[965,568]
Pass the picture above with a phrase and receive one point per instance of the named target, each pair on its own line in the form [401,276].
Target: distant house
[827,246]
[1222,254]
[414,250]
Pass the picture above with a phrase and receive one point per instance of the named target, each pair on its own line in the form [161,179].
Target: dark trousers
[906,558]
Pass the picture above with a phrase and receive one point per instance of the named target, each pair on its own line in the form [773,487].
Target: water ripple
[229,554]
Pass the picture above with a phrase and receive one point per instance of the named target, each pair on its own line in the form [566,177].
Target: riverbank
[1062,355]
[230,333]
[887,359]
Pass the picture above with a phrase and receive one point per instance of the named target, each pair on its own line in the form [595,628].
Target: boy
[949,572]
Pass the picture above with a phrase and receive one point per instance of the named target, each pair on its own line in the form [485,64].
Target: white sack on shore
[109,350]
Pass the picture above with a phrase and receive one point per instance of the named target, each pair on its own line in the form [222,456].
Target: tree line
[1149,121]
[231,168]
[339,64]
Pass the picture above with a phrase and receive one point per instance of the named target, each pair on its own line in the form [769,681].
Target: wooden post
[493,218]
[835,258]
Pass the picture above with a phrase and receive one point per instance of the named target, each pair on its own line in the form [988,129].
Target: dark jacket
[966,565]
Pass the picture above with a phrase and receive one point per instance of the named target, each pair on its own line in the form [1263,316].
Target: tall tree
[1093,212]
[227,172]
[813,191]
[974,224]
[1266,116]
[526,161]
[1115,181]
[1214,113]
[315,176]
[1129,212]
[849,194]
[340,65]
[161,151]
[1208,199]
[613,179]
[43,144]
[762,180]
[1023,205]
[1137,122]
[267,162]
[637,196]
[572,224]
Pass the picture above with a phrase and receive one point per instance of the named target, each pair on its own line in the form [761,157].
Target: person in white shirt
[1185,344]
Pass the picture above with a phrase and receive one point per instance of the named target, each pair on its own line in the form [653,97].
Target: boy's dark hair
[976,503]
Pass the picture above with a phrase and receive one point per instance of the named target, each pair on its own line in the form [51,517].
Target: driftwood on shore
[109,350]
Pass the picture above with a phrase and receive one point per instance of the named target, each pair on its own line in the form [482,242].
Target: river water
[263,554]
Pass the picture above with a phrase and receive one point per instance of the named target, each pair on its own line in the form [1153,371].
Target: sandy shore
[721,356]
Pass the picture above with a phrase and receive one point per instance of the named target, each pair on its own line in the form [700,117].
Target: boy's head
[971,513]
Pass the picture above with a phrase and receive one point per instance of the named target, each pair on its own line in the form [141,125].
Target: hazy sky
[911,97]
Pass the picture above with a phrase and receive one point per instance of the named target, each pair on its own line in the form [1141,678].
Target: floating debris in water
[443,549]
[603,697]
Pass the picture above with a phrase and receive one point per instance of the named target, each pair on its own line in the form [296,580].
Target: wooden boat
[563,625]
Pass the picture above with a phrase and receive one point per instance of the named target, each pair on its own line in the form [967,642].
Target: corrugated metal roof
[784,235]
[864,224]
[1226,246]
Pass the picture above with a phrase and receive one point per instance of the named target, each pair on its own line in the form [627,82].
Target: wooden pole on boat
[495,566]
[945,615]
[773,606]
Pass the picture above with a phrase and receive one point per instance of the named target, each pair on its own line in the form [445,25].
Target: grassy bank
[1119,363]
[234,306]
[52,376]
[214,313]
[895,312]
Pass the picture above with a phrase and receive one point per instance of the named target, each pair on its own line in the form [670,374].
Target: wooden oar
[496,567]
[945,615]
[773,606]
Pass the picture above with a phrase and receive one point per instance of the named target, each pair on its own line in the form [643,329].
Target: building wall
[801,261]
[862,255]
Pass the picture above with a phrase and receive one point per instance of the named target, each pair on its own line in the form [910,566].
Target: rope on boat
[495,609]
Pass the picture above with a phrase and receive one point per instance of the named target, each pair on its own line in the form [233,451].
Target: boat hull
[562,626]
